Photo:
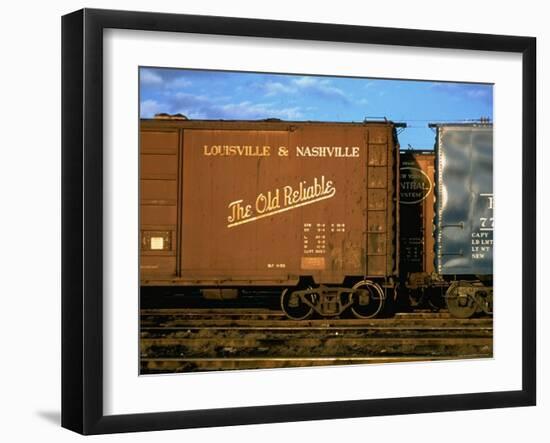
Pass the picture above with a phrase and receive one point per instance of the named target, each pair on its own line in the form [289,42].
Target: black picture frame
[82,216]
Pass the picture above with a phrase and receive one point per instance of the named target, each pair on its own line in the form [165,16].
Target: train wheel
[368,299]
[460,304]
[293,306]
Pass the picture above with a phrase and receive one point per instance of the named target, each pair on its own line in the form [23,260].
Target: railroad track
[187,340]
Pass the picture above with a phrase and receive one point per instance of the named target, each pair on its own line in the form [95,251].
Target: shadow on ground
[54,417]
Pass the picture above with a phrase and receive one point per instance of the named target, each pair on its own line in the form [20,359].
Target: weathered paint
[464,199]
[417,170]
[263,203]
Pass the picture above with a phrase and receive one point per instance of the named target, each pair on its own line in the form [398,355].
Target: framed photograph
[269,221]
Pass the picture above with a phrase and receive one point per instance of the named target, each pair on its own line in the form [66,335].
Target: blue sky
[250,96]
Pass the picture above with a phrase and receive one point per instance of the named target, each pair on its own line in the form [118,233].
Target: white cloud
[305,82]
[149,108]
[148,77]
[310,85]
[178,83]
[205,107]
[320,87]
[477,93]
[459,91]
[273,88]
[249,111]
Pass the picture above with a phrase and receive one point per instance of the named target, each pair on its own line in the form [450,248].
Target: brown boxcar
[421,286]
[416,212]
[309,206]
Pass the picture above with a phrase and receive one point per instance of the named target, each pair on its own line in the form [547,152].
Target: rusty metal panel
[158,142]
[378,135]
[266,202]
[159,165]
[377,265]
[417,211]
[464,199]
[269,206]
[377,177]
[381,183]
[378,155]
[377,199]
[156,267]
[376,243]
[377,222]
[159,192]
[158,215]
